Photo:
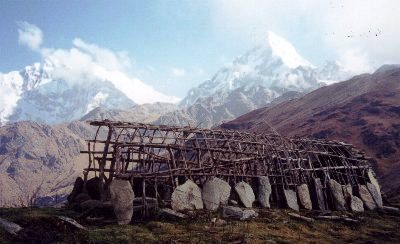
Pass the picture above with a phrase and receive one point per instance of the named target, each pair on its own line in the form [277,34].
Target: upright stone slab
[215,192]
[122,200]
[320,202]
[374,181]
[264,191]
[304,196]
[291,199]
[356,204]
[337,195]
[376,195]
[245,193]
[187,197]
[366,197]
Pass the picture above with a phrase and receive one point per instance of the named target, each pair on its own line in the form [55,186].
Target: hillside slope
[39,163]
[364,111]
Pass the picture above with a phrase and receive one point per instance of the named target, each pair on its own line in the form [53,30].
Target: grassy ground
[42,225]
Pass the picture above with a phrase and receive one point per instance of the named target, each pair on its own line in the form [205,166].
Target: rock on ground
[291,199]
[245,193]
[122,200]
[376,195]
[356,204]
[171,213]
[187,196]
[238,213]
[304,196]
[215,192]
[10,227]
[366,197]
[264,191]
[337,195]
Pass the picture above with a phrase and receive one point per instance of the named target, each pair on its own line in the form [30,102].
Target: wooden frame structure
[168,155]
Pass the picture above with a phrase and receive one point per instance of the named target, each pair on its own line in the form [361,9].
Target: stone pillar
[122,197]
[264,191]
[291,199]
[215,192]
[304,196]
[245,193]
[337,195]
[376,195]
[366,197]
[187,196]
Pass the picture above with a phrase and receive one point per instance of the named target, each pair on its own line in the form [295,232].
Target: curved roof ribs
[168,154]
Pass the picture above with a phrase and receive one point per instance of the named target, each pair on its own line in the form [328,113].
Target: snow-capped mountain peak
[275,65]
[54,92]
[285,51]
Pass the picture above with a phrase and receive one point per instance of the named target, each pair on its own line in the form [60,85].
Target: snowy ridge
[274,65]
[39,93]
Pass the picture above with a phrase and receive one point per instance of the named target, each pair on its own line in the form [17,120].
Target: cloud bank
[362,34]
[89,62]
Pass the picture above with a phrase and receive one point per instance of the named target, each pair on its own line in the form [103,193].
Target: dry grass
[271,226]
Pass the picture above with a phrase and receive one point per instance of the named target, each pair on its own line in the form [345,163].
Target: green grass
[272,225]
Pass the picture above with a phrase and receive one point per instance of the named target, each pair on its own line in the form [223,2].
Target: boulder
[304,196]
[10,227]
[187,196]
[215,192]
[78,188]
[366,197]
[122,197]
[291,199]
[337,195]
[319,198]
[356,204]
[237,213]
[92,188]
[249,214]
[264,191]
[376,195]
[245,193]
[169,213]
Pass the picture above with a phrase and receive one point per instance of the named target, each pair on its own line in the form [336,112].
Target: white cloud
[355,60]
[29,35]
[178,72]
[87,62]
[360,32]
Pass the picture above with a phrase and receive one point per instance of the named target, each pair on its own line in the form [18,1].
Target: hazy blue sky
[174,45]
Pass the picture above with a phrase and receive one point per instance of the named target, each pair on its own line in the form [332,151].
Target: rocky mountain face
[145,113]
[364,111]
[213,110]
[255,79]
[38,162]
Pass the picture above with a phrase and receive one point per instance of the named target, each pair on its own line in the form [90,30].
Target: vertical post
[102,162]
[144,198]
